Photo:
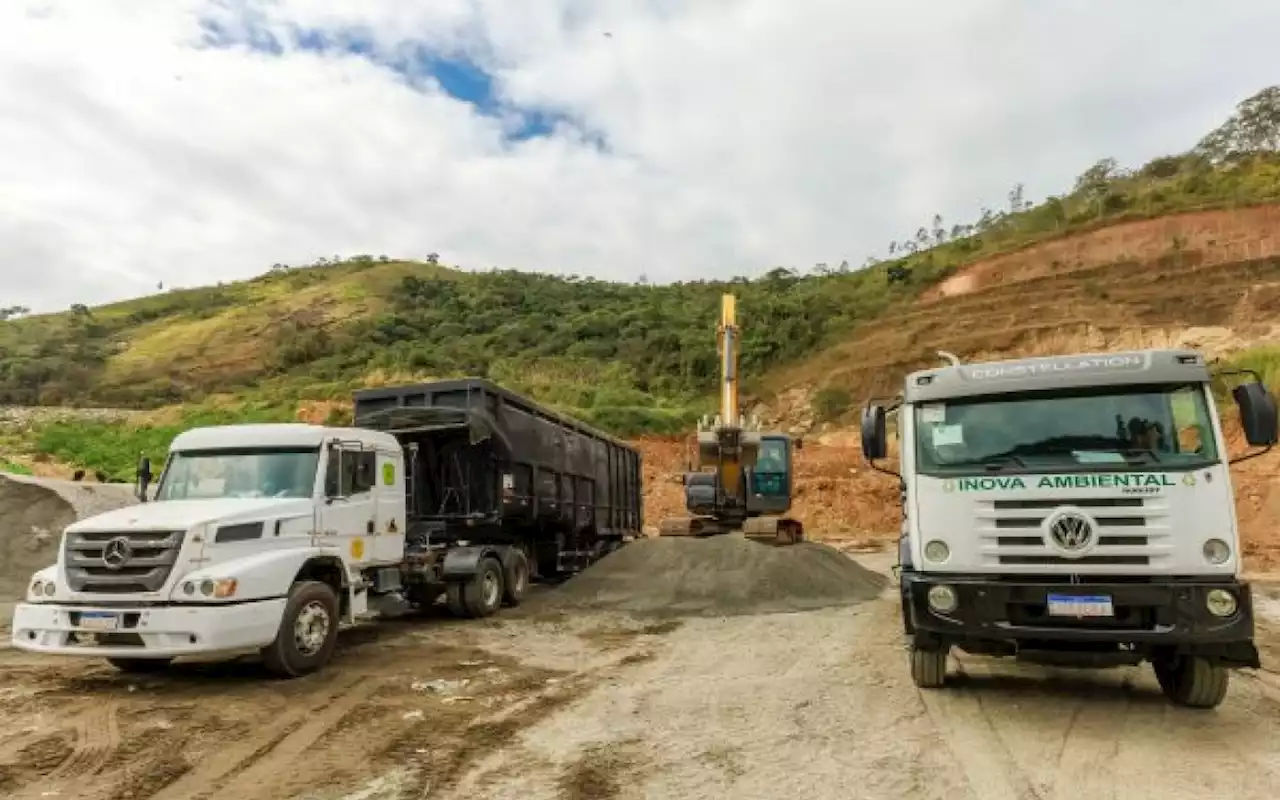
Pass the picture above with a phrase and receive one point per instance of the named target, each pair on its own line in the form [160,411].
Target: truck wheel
[308,631]
[479,596]
[140,665]
[928,667]
[515,578]
[1194,682]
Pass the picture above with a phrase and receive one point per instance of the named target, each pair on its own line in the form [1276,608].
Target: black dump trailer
[489,472]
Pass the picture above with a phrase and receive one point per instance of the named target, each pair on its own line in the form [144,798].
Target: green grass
[115,448]
[13,468]
[1264,360]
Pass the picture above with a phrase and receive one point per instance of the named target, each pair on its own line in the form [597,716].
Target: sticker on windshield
[1098,457]
[947,435]
[933,413]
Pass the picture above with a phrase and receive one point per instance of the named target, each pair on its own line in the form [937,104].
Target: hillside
[1182,250]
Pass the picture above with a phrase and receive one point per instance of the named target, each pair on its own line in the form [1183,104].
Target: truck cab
[259,537]
[1074,510]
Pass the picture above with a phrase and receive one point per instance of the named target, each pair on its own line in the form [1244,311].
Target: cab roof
[274,434]
[1129,367]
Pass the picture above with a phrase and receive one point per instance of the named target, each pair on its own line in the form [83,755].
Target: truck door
[389,523]
[349,515]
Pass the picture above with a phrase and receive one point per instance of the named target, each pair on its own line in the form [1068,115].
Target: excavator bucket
[680,526]
[774,530]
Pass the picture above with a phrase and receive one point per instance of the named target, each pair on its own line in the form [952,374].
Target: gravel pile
[717,576]
[33,512]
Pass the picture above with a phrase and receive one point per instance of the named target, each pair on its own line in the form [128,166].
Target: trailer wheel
[140,665]
[1194,682]
[481,594]
[928,667]
[453,599]
[515,578]
[308,631]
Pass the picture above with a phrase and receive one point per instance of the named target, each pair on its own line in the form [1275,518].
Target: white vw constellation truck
[268,537]
[1074,510]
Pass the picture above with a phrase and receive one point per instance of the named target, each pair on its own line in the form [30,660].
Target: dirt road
[815,704]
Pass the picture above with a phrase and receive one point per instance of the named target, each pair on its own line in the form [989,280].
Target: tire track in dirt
[97,737]
[977,749]
[250,767]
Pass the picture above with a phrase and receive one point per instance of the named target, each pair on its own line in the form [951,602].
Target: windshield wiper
[1143,451]
[1001,460]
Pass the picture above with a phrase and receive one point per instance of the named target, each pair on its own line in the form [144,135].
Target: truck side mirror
[799,442]
[144,478]
[1257,413]
[875,443]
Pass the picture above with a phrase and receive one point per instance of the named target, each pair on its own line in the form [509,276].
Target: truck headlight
[943,599]
[1220,602]
[1216,551]
[218,588]
[937,551]
[42,588]
[49,589]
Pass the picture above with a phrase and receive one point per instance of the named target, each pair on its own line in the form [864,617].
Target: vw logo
[117,552]
[1070,532]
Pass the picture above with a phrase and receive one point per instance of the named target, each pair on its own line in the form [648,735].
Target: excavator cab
[770,477]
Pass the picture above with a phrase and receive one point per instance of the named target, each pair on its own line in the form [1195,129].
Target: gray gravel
[33,512]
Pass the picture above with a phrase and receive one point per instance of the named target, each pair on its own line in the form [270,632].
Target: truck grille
[1130,531]
[111,562]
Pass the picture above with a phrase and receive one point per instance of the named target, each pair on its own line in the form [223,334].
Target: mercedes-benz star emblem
[117,552]
[1071,532]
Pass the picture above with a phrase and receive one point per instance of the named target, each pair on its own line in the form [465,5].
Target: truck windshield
[203,474]
[1130,427]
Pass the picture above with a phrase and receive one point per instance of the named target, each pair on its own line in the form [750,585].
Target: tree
[1096,178]
[13,312]
[433,258]
[1253,130]
[1016,198]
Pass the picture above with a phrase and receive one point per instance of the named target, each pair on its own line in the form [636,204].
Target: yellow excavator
[740,478]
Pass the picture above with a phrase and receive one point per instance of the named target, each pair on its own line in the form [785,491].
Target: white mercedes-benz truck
[1074,510]
[269,537]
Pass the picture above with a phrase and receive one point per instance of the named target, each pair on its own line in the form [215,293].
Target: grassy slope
[631,358]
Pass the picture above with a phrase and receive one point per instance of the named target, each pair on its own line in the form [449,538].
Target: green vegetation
[115,447]
[630,358]
[13,468]
[1263,360]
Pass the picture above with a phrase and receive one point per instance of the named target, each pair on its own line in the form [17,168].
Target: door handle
[369,527]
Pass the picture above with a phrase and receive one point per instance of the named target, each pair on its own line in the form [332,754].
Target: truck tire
[308,631]
[481,594]
[140,665]
[928,667]
[515,578]
[1194,682]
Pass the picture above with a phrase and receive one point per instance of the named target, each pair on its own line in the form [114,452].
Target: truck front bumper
[1170,616]
[145,631]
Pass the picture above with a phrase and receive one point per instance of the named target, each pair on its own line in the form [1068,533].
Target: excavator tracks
[766,530]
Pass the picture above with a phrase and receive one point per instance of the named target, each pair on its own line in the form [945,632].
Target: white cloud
[742,135]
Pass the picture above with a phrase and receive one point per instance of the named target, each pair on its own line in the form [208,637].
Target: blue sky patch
[416,63]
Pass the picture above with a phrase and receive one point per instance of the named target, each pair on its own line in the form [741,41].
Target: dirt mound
[719,576]
[33,513]
[1218,236]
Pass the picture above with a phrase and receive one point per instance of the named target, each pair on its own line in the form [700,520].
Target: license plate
[1065,605]
[99,621]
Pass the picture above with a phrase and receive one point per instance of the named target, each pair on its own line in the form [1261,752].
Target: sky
[186,142]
